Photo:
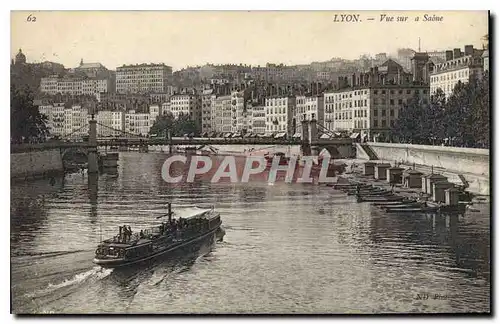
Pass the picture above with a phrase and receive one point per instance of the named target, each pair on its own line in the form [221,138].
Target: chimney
[353,80]
[449,55]
[456,53]
[469,50]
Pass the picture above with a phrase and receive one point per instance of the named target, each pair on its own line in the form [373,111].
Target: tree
[177,126]
[436,113]
[463,118]
[26,123]
[467,121]
[162,125]
[185,125]
[413,122]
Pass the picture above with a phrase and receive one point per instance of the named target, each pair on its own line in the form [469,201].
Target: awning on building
[338,134]
[297,135]
[354,135]
[325,136]
[227,135]
[280,135]
[205,134]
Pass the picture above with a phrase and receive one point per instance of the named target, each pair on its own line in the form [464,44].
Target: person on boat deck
[125,233]
[141,234]
[129,232]
[120,233]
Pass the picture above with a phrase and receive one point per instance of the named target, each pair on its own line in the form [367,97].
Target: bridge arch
[74,150]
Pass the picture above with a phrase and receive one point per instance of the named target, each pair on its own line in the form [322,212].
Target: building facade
[76,121]
[371,111]
[280,113]
[329,102]
[137,123]
[309,108]
[154,112]
[110,123]
[239,121]
[143,78]
[458,68]
[186,104]
[258,119]
[55,118]
[75,86]
[206,112]
[221,113]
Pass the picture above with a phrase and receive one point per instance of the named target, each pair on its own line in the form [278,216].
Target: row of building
[366,103]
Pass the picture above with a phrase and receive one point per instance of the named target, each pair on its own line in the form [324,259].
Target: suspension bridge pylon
[93,166]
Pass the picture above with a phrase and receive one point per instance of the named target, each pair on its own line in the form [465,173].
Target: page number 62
[31,18]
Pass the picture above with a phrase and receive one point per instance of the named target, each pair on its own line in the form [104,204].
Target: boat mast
[169,212]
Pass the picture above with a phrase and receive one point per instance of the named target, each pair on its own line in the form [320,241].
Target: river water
[289,248]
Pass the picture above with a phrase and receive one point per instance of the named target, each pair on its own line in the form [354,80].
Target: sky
[189,38]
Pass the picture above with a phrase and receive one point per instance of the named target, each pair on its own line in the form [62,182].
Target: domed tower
[20,57]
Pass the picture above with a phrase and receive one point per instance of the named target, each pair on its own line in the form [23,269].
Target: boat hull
[121,262]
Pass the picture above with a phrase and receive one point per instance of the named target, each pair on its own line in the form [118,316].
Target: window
[417,91]
[392,102]
[383,112]
[384,123]
[408,91]
[375,91]
[366,103]
[375,101]
[400,101]
[424,91]
[392,113]
[400,91]
[375,123]
[392,123]
[392,91]
[355,103]
[383,101]
[375,112]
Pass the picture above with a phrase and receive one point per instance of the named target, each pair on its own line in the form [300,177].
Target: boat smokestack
[169,212]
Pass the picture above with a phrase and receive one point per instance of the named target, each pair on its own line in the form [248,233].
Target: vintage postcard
[250,162]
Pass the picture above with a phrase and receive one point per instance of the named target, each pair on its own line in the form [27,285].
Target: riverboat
[127,248]
[378,198]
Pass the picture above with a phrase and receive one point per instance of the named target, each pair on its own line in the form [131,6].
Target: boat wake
[96,273]
[47,254]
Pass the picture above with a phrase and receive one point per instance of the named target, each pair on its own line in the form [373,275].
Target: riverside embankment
[35,164]
[473,164]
